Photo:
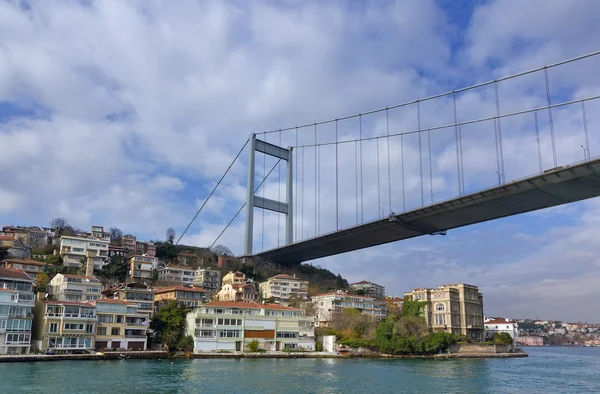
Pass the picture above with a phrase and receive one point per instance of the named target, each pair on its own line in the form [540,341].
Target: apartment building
[117,251]
[245,292]
[78,288]
[64,326]
[187,295]
[230,326]
[77,251]
[16,303]
[369,289]
[328,304]
[500,325]
[234,278]
[128,241]
[208,279]
[120,325]
[137,293]
[281,287]
[456,308]
[31,267]
[99,233]
[36,237]
[176,275]
[147,248]
[141,267]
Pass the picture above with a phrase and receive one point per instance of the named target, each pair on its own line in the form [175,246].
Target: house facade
[16,303]
[328,304]
[31,267]
[77,251]
[137,293]
[120,325]
[141,267]
[78,288]
[176,275]
[500,325]
[238,292]
[230,326]
[281,287]
[369,289]
[208,279]
[187,295]
[234,278]
[64,326]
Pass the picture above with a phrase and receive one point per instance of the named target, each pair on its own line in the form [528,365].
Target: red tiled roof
[24,261]
[81,277]
[53,302]
[14,273]
[249,305]
[362,282]
[183,288]
[499,320]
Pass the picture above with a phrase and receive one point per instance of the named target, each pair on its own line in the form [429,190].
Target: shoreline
[158,355]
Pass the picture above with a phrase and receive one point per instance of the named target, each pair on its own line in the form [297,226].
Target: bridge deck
[563,185]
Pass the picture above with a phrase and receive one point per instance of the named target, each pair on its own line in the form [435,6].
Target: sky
[127,113]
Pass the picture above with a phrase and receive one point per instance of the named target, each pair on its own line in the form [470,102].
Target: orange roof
[362,282]
[249,305]
[113,301]
[183,288]
[81,277]
[14,273]
[24,261]
[499,320]
[9,290]
[53,302]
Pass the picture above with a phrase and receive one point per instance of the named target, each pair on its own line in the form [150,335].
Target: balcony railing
[206,325]
[78,346]
[134,336]
[17,343]
[140,323]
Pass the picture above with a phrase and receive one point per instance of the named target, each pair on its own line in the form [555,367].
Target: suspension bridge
[508,146]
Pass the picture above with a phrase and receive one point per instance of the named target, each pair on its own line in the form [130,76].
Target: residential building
[36,237]
[18,232]
[529,340]
[234,278]
[245,292]
[99,233]
[500,325]
[281,287]
[19,250]
[137,293]
[208,279]
[176,275]
[7,238]
[76,251]
[230,326]
[78,288]
[63,326]
[223,261]
[120,325]
[141,267]
[31,267]
[187,295]
[147,248]
[117,251]
[456,308]
[16,302]
[369,289]
[128,241]
[328,304]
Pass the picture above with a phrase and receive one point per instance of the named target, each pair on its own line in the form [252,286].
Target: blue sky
[125,114]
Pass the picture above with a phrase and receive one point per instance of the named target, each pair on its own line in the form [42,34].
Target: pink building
[529,341]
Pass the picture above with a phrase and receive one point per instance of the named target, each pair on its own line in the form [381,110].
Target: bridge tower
[253,200]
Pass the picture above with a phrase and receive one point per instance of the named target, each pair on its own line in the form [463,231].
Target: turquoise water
[561,370]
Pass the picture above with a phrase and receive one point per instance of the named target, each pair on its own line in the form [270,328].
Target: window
[229,322]
[89,328]
[105,318]
[440,320]
[206,333]
[101,331]
[229,334]
[287,335]
[53,327]
[73,326]
[219,311]
[440,307]
[115,331]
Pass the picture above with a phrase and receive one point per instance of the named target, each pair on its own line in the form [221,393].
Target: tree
[114,271]
[154,275]
[309,308]
[252,346]
[169,323]
[3,253]
[170,234]
[293,301]
[413,307]
[41,281]
[221,250]
[502,338]
[166,251]
[115,235]
[62,226]
[352,323]
[412,326]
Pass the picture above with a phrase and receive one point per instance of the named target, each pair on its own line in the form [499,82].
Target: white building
[77,288]
[176,275]
[75,250]
[335,302]
[281,287]
[500,325]
[230,326]
[208,279]
[369,289]
[16,303]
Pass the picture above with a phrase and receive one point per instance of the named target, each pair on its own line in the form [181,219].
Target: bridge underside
[563,185]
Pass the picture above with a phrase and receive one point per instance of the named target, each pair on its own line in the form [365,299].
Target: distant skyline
[126,114]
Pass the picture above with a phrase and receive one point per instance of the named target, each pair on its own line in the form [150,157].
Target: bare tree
[60,225]
[221,250]
[115,235]
[170,234]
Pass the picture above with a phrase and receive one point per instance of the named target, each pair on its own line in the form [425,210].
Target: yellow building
[456,308]
[234,278]
[189,296]
[141,267]
[120,325]
[240,293]
[63,326]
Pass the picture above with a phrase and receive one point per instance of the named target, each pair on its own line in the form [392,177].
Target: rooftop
[90,278]
[113,301]
[249,305]
[284,276]
[182,288]
[24,261]
[363,282]
[6,272]
[54,302]
[342,294]
[499,320]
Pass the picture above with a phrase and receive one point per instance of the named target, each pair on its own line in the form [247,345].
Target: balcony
[17,343]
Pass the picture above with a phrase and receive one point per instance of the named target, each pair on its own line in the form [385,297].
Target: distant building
[128,241]
[147,248]
[176,275]
[457,309]
[281,287]
[369,289]
[529,341]
[78,288]
[36,237]
[208,279]
[189,296]
[137,293]
[31,267]
[141,267]
[234,278]
[19,250]
[231,326]
[78,251]
[64,326]
[328,304]
[500,325]
[16,302]
[120,325]
[245,292]
[99,233]
[118,251]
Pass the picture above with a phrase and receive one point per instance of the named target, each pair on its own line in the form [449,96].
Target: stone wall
[480,348]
